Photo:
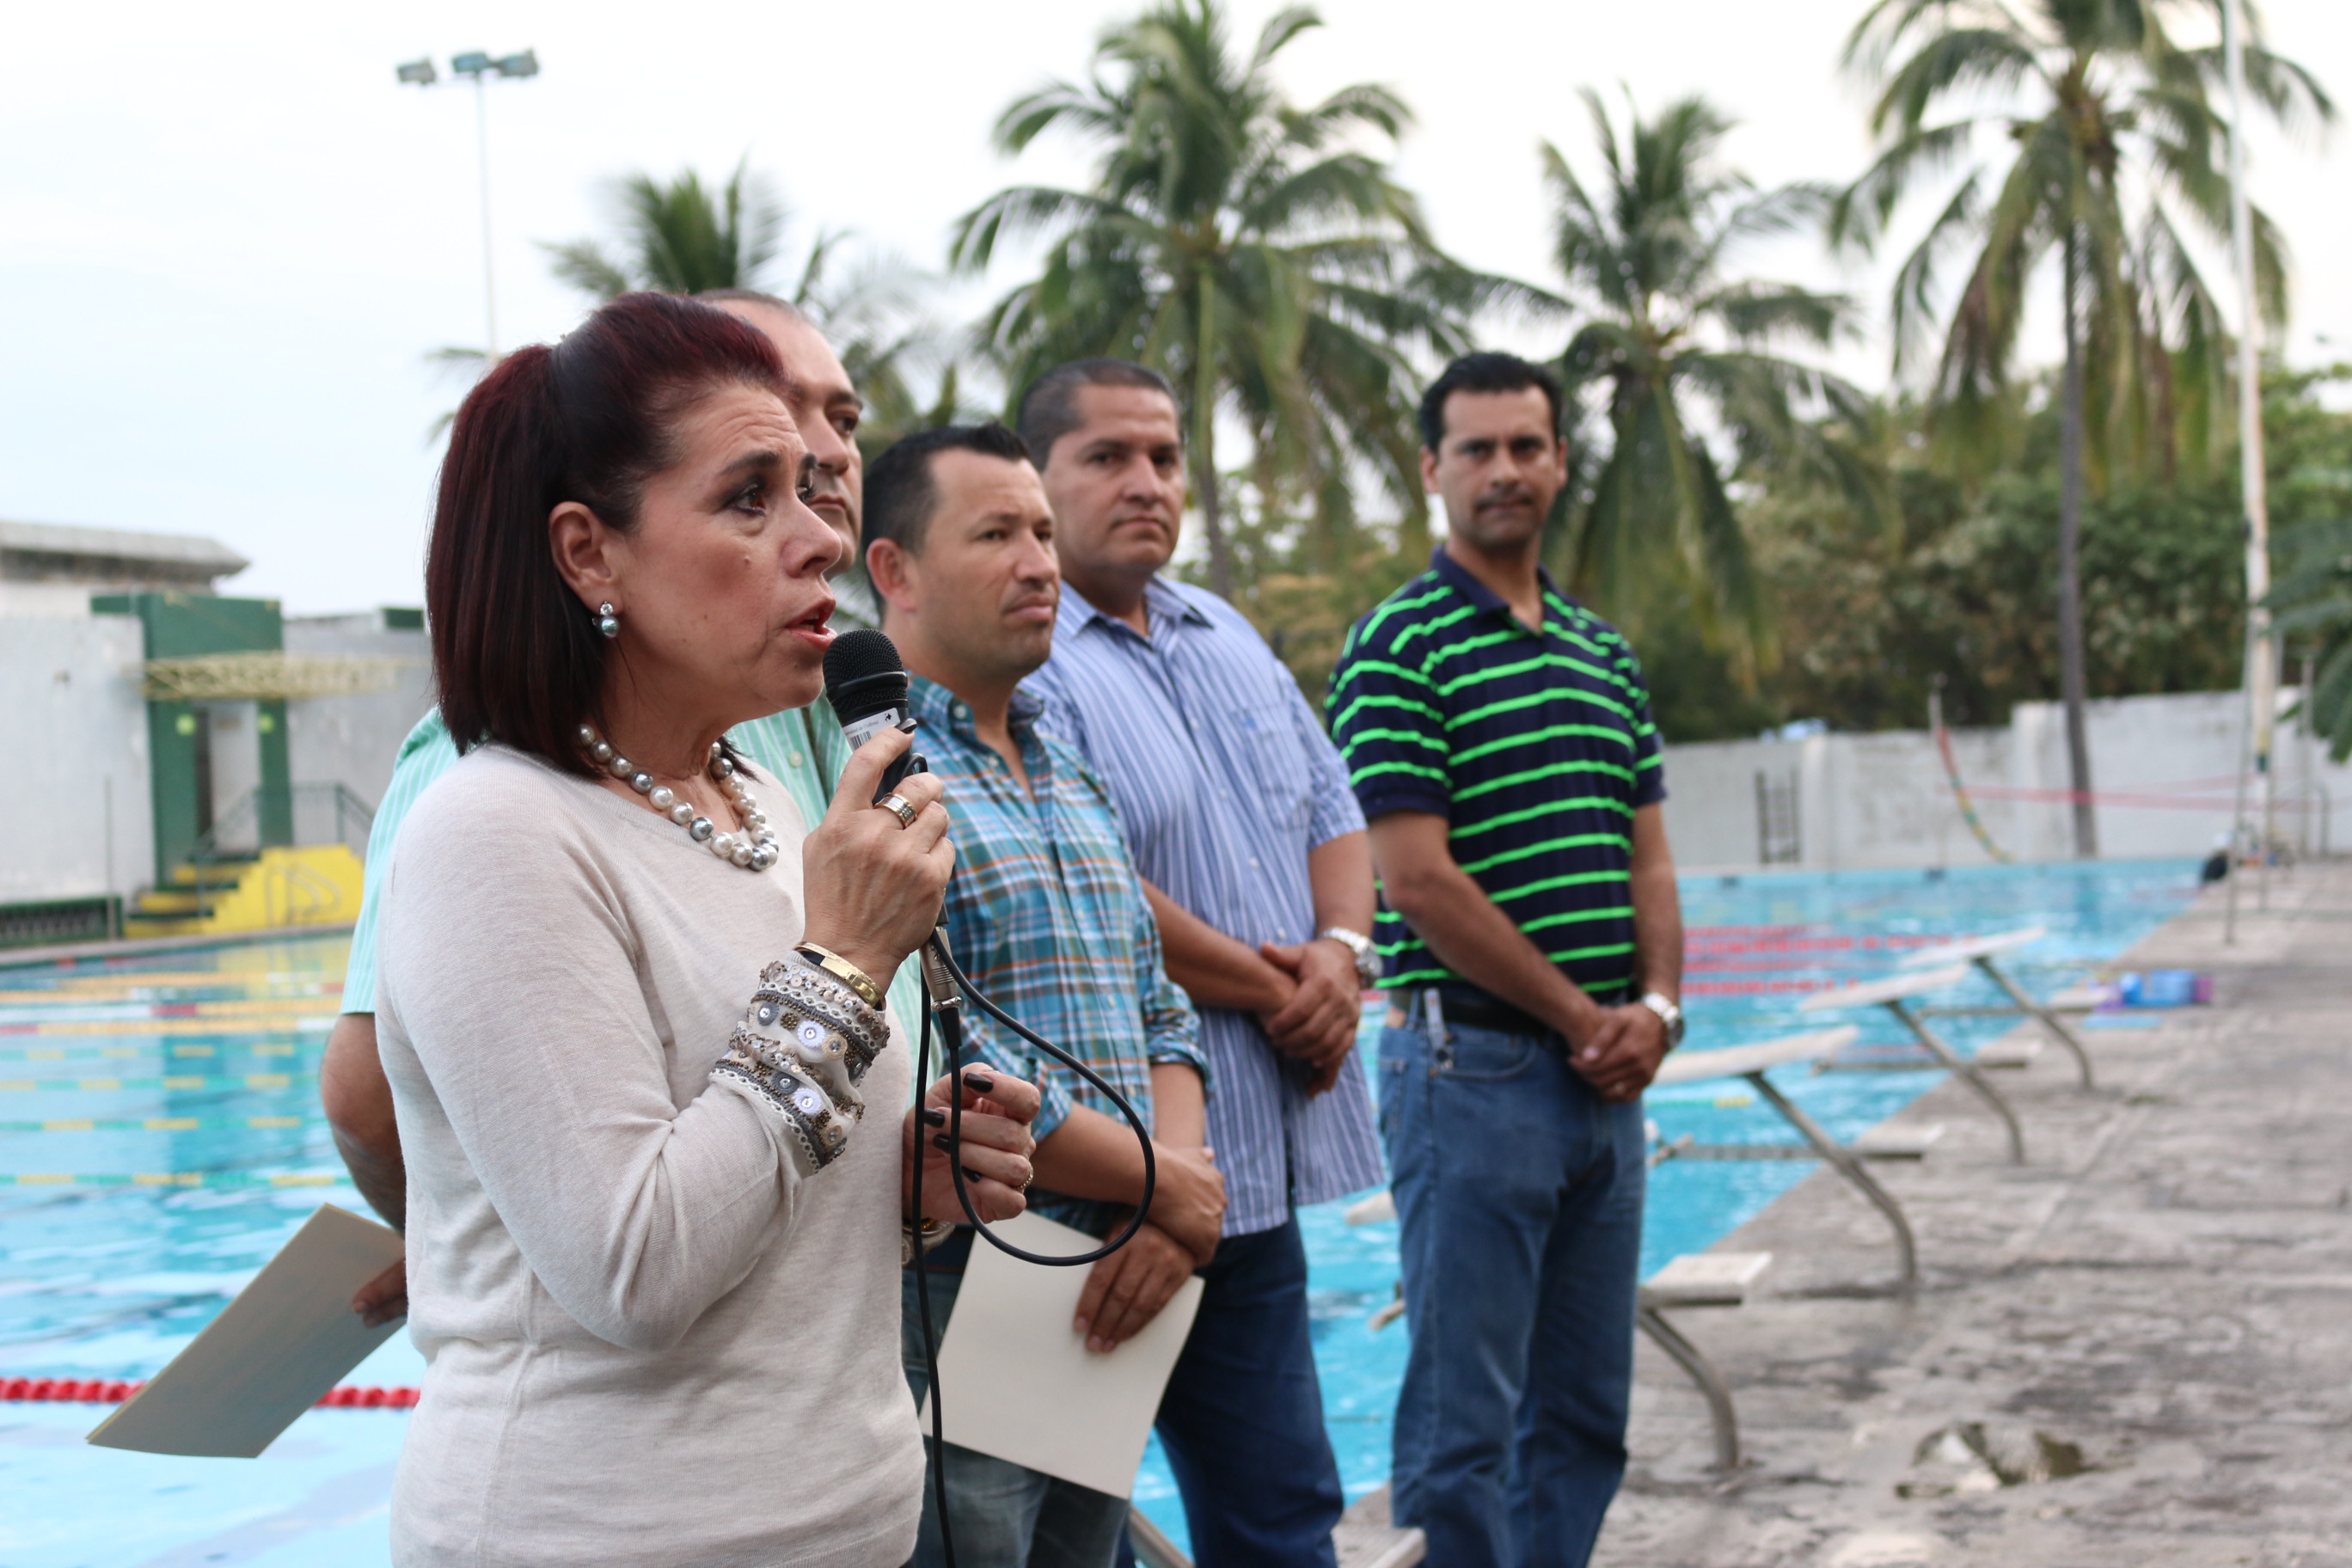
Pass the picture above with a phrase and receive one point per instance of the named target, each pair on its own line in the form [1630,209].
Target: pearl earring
[608,619]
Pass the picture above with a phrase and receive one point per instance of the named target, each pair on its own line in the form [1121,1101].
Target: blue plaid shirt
[1224,781]
[1047,915]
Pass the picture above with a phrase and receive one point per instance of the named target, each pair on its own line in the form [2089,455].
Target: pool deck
[2167,1286]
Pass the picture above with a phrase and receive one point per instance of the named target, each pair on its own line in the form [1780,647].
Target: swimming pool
[160,1138]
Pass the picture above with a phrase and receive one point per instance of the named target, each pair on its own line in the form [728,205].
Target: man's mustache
[1513,497]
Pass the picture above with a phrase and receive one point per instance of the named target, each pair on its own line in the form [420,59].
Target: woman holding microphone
[632,1010]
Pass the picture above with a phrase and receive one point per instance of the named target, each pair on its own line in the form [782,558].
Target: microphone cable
[945,985]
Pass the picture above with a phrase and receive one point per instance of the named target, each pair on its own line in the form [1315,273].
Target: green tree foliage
[2109,151]
[1874,616]
[1677,352]
[2111,143]
[1245,247]
[685,235]
[2310,450]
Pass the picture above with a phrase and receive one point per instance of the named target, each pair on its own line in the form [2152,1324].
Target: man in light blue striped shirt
[1240,818]
[802,749]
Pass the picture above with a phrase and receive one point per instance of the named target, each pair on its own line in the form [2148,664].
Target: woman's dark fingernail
[939,1142]
[979,1082]
[935,1116]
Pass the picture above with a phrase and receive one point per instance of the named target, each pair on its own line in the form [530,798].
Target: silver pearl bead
[642,783]
[766,856]
[722,845]
[663,797]
[622,767]
[607,626]
[700,829]
[719,766]
[602,750]
[588,738]
[682,813]
[742,852]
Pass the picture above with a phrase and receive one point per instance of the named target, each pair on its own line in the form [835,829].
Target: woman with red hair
[632,1009]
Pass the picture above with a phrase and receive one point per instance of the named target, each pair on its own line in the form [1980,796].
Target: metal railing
[306,809]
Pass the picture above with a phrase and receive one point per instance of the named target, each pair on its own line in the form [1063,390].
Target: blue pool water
[160,1138]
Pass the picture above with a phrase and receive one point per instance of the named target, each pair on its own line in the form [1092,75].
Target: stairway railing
[236,834]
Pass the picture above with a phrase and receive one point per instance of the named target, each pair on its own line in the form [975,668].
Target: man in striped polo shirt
[1498,737]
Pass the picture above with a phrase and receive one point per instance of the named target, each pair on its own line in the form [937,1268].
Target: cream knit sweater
[652,1339]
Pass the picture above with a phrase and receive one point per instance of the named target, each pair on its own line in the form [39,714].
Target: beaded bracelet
[803,1048]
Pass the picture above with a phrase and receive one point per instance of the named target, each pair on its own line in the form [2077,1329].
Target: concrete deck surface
[2165,1292]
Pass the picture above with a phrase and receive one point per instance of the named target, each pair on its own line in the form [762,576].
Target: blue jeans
[1003,1515]
[1243,1417]
[1519,1196]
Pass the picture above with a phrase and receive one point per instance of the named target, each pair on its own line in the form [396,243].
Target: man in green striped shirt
[1500,739]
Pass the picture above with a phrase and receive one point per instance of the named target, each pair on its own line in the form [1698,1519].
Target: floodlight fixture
[477,65]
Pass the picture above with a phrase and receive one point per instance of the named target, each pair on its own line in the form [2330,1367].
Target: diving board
[1751,1063]
[1895,993]
[1980,951]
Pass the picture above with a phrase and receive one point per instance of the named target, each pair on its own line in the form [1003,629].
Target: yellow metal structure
[314,885]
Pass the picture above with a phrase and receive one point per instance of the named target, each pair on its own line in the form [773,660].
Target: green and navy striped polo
[1537,748]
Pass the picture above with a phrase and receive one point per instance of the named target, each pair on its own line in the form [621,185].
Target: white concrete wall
[352,741]
[78,820]
[2163,765]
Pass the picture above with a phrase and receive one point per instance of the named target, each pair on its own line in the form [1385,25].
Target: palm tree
[2314,597]
[2111,145]
[684,237]
[1231,239]
[680,236]
[1677,354]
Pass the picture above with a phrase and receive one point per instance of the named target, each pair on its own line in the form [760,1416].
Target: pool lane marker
[214,1180]
[263,1081]
[160,1125]
[100,1391]
[132,1053]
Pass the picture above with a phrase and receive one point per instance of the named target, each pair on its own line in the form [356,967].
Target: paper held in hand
[1019,1382]
[272,1354]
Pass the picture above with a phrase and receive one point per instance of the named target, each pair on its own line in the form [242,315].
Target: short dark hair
[1483,372]
[899,493]
[515,654]
[1049,407]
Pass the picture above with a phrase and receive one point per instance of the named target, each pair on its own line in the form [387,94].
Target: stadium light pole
[2260,671]
[479,66]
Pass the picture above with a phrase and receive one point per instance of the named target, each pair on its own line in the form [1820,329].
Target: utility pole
[2261,668]
[480,67]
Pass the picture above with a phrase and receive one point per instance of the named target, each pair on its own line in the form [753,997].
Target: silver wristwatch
[1668,1013]
[1367,957]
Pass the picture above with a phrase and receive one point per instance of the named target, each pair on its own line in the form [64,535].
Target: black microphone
[866,681]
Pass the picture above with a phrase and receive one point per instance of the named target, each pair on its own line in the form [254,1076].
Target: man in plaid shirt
[1048,915]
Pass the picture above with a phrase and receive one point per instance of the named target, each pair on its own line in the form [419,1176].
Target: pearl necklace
[754,847]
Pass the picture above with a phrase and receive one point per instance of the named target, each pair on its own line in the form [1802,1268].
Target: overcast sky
[229,239]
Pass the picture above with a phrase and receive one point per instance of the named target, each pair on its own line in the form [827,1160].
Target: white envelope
[275,1351]
[1018,1382]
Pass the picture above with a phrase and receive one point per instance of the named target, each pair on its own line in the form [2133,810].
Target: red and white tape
[100,1391]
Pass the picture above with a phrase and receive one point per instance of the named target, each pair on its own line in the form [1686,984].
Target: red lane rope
[103,1390]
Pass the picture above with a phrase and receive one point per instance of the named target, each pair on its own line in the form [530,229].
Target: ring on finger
[899,806]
